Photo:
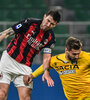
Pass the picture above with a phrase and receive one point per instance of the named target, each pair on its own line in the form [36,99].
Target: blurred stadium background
[75,22]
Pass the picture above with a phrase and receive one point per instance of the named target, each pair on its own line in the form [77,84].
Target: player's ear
[44,16]
[66,49]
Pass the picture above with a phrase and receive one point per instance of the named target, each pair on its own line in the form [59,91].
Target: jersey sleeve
[51,43]
[48,48]
[21,26]
[38,71]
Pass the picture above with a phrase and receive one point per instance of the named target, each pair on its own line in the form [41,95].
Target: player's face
[48,23]
[73,55]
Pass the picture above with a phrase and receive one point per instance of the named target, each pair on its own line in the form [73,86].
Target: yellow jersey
[75,77]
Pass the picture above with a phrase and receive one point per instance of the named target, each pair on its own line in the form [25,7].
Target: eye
[52,24]
[48,20]
[75,54]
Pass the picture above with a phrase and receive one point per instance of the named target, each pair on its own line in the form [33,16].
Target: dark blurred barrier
[40,90]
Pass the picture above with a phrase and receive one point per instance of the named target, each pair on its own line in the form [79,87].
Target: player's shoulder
[59,57]
[85,55]
[33,20]
[50,32]
[88,53]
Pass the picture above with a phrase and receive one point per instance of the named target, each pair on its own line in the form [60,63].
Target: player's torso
[34,37]
[28,42]
[75,77]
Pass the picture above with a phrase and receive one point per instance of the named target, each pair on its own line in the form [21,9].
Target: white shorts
[11,70]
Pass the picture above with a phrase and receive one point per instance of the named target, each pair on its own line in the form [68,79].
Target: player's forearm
[2,36]
[6,33]
[38,71]
[46,61]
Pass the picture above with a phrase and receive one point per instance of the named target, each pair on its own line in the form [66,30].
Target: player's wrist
[46,69]
[32,76]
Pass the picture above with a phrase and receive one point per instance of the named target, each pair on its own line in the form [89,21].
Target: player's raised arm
[8,32]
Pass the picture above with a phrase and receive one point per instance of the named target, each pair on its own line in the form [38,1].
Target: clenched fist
[28,79]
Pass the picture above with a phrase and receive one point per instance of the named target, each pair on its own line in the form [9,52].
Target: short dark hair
[55,14]
[73,43]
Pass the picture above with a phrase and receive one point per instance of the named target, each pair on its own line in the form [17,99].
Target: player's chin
[47,29]
[76,59]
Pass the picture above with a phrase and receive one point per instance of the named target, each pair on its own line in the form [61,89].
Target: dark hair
[73,43]
[55,14]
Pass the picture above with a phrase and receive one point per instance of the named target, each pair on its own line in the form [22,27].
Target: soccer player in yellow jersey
[73,67]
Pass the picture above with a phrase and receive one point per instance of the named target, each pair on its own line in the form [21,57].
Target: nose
[76,56]
[49,24]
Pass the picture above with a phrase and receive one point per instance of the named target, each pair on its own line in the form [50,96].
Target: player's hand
[28,79]
[46,76]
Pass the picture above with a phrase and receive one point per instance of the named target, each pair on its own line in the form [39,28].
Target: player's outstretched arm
[28,78]
[41,70]
[38,71]
[6,33]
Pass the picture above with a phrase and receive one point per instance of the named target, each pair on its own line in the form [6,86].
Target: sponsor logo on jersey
[18,26]
[34,43]
[33,32]
[28,36]
[67,72]
[66,67]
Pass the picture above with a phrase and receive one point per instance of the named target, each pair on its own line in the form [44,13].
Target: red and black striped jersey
[29,40]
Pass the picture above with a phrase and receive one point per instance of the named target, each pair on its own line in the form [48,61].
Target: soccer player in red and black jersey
[31,36]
